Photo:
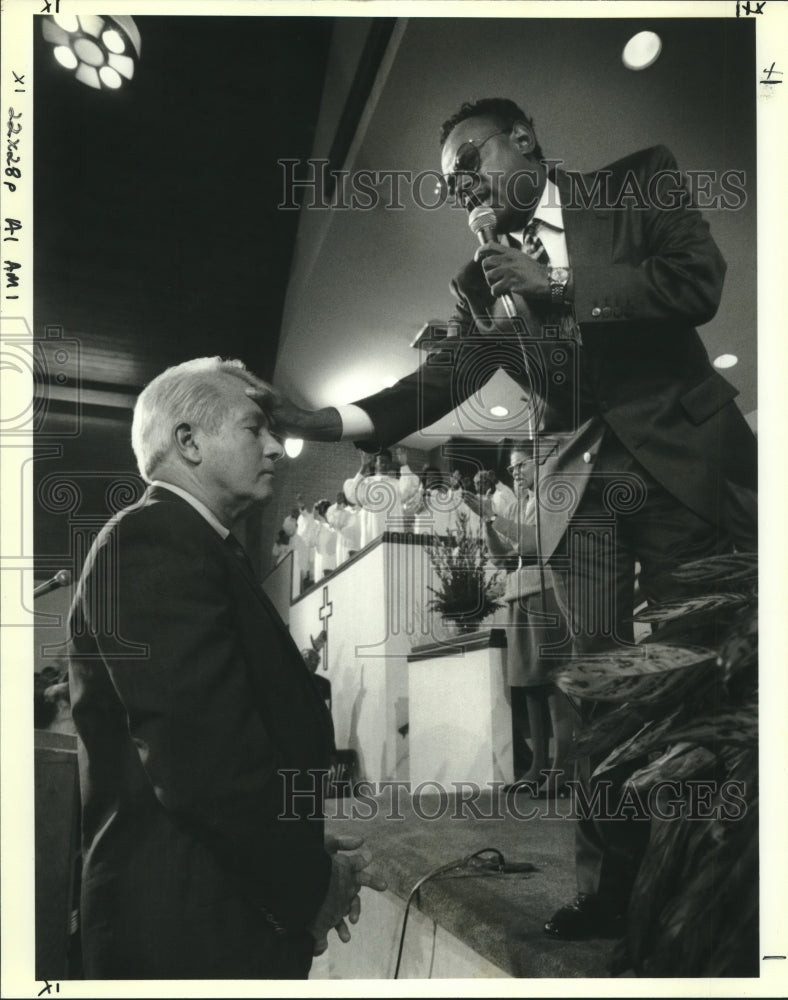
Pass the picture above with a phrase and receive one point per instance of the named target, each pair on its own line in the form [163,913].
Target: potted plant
[467,590]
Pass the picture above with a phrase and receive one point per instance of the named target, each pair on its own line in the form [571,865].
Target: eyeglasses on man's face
[468,159]
[521,466]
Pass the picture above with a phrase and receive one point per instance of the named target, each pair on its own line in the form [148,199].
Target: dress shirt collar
[198,505]
[548,210]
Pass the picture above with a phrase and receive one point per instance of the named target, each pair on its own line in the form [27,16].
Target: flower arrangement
[468,591]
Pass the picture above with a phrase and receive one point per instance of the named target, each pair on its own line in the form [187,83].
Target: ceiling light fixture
[102,51]
[499,411]
[642,50]
[725,361]
[293,447]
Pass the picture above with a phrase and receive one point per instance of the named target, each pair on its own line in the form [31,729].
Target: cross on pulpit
[325,612]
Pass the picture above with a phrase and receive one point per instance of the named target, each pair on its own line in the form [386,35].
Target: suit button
[607,311]
[587,456]
[596,311]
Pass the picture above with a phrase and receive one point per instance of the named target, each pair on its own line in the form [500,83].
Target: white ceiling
[364,282]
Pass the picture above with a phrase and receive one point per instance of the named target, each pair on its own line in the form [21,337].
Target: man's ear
[522,135]
[186,444]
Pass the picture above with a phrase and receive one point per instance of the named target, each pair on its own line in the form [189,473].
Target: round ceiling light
[499,411]
[293,447]
[642,50]
[725,361]
[98,49]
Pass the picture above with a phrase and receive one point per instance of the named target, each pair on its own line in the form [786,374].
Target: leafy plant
[468,591]
[686,701]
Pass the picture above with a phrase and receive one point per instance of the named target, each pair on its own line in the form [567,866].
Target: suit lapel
[158,494]
[589,231]
[210,538]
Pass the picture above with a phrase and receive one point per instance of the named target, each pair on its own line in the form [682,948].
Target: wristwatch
[559,279]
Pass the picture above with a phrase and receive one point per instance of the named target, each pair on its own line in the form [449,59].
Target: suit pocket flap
[705,399]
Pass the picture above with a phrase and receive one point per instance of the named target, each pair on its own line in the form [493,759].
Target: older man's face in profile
[238,459]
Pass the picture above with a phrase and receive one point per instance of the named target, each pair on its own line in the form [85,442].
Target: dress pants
[624,517]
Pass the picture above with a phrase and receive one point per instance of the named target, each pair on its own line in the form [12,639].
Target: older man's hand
[342,900]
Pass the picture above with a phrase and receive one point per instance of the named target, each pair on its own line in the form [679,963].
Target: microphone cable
[471,866]
[482,223]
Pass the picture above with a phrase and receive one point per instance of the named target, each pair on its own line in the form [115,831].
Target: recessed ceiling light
[91,43]
[726,361]
[293,447]
[499,411]
[642,50]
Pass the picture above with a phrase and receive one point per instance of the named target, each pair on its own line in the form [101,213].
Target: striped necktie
[532,245]
[561,317]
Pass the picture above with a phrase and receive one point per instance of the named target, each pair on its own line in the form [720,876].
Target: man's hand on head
[294,421]
[508,270]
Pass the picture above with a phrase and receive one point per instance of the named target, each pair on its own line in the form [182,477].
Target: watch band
[559,279]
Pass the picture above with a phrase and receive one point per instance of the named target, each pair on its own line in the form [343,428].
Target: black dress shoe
[586,917]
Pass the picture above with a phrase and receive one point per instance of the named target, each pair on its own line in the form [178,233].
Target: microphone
[481,221]
[61,579]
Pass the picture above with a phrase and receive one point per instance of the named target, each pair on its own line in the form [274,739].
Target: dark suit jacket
[644,277]
[188,696]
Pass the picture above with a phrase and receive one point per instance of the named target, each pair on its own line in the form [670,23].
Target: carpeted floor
[500,916]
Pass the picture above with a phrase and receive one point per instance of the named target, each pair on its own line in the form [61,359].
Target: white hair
[188,393]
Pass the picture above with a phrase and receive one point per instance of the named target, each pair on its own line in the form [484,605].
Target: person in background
[380,495]
[325,541]
[281,546]
[437,503]
[306,530]
[344,520]
[502,497]
[533,627]
[301,577]
[463,487]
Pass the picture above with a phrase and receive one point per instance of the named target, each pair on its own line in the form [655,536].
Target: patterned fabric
[532,245]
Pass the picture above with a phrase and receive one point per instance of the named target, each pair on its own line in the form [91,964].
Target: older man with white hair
[199,727]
